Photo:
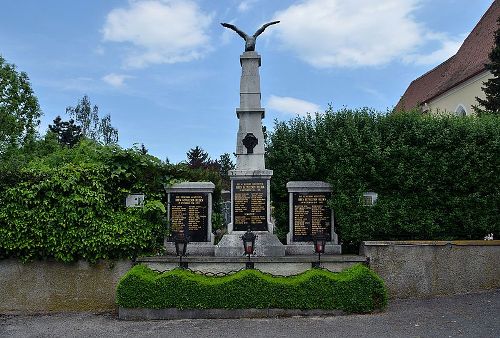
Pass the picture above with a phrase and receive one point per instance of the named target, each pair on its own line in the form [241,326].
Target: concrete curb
[172,313]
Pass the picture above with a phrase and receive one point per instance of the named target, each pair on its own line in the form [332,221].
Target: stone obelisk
[250,180]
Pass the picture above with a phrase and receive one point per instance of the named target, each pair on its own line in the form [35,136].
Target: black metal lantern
[249,246]
[181,242]
[319,241]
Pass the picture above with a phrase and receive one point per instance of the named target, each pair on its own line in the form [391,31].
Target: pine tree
[68,133]
[197,158]
[491,104]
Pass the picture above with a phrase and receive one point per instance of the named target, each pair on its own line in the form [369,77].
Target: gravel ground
[473,315]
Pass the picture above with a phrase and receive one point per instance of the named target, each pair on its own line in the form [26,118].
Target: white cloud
[115,80]
[448,47]
[246,5]
[291,105]
[337,33]
[167,31]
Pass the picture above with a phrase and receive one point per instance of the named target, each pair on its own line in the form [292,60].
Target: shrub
[69,203]
[356,289]
[67,213]
[437,177]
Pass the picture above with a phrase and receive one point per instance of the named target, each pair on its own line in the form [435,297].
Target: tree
[19,109]
[87,117]
[67,132]
[225,164]
[198,158]
[491,104]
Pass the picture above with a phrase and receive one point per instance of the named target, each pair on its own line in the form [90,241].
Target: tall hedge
[436,177]
[70,205]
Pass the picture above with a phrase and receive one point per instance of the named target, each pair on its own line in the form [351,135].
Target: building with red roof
[453,85]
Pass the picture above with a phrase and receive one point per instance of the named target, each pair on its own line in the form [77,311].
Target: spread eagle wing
[263,28]
[236,29]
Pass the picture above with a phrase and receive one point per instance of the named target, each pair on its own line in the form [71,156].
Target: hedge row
[69,203]
[437,177]
[356,289]
[67,213]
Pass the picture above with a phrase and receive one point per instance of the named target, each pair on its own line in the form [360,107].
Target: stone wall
[409,269]
[46,286]
[433,268]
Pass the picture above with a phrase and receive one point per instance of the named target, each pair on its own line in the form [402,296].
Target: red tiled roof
[466,63]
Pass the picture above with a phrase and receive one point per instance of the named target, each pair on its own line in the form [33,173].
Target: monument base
[307,248]
[193,248]
[266,245]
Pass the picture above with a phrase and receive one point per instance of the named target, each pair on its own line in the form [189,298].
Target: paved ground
[475,315]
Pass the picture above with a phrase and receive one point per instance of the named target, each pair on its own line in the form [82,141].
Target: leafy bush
[69,203]
[356,289]
[437,177]
[67,213]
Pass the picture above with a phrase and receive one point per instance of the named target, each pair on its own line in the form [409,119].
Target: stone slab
[191,187]
[308,186]
[308,249]
[266,244]
[193,248]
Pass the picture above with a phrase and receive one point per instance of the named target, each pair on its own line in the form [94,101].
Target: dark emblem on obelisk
[250,141]
[249,39]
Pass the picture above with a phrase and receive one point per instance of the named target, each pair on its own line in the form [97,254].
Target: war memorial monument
[189,203]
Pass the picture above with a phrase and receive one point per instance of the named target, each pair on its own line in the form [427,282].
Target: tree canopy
[19,109]
[491,104]
[87,117]
[67,132]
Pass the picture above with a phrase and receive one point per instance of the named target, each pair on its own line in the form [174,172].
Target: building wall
[463,94]
[414,269]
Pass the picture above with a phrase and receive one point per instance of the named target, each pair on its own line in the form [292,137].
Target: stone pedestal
[309,213]
[190,211]
[250,181]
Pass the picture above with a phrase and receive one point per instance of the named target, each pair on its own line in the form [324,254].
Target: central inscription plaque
[250,205]
[189,213]
[310,215]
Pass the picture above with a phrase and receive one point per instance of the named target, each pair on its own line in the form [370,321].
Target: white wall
[463,94]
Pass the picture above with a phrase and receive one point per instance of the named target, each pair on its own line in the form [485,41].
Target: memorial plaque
[250,205]
[310,215]
[189,213]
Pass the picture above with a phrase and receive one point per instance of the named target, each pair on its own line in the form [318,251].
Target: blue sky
[168,73]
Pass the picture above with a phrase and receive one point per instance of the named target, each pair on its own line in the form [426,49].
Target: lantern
[181,242]
[319,241]
[249,246]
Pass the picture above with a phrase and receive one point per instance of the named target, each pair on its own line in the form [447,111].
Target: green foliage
[93,127]
[491,104]
[69,205]
[67,133]
[437,177]
[356,289]
[19,109]
[225,164]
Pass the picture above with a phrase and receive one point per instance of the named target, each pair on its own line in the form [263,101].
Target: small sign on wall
[370,198]
[135,201]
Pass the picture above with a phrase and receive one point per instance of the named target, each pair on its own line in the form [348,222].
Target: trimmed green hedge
[357,289]
[437,177]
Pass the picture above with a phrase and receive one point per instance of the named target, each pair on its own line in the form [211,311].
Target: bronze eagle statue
[249,39]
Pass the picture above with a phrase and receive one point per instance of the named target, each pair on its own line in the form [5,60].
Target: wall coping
[433,243]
